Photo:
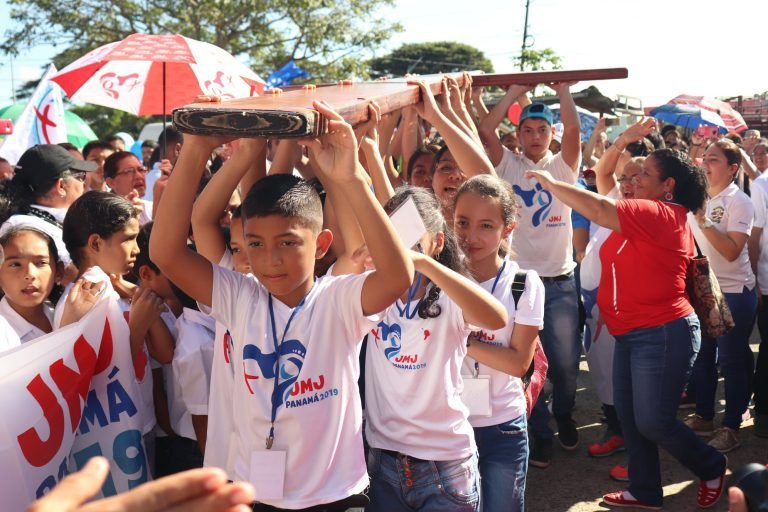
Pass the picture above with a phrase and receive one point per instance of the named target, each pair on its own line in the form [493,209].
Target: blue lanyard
[411,292]
[493,289]
[275,400]
[498,276]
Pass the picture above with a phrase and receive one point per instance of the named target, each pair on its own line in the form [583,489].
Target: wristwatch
[707,223]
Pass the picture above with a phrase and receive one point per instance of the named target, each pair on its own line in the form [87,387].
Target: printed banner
[41,122]
[67,397]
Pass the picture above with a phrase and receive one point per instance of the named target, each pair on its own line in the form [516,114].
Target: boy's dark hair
[66,145]
[149,144]
[642,147]
[142,240]
[431,214]
[95,212]
[656,140]
[285,195]
[96,144]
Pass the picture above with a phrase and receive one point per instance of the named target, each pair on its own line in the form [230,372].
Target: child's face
[237,242]
[28,273]
[282,254]
[447,178]
[479,225]
[117,254]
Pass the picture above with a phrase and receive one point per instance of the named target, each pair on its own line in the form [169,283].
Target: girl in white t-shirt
[721,230]
[100,231]
[27,277]
[423,453]
[484,216]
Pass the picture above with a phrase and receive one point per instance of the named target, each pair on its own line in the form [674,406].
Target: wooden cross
[290,114]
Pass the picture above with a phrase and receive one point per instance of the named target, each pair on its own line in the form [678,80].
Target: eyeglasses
[132,170]
[76,175]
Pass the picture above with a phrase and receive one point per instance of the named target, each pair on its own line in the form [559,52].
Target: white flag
[41,122]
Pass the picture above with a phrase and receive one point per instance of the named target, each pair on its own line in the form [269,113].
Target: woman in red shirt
[643,300]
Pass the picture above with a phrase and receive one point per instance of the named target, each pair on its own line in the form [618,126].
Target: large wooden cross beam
[290,114]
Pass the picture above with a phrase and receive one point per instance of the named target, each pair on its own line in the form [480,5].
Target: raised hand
[334,155]
[561,87]
[426,108]
[543,177]
[368,132]
[146,307]
[82,297]
[640,129]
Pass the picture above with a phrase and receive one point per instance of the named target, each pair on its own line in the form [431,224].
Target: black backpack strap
[518,287]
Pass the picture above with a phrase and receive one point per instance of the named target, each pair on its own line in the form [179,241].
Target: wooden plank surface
[290,114]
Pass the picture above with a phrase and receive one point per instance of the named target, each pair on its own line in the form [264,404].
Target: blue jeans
[734,355]
[503,451]
[402,483]
[562,345]
[651,366]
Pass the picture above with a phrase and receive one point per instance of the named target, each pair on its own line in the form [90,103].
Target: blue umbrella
[688,116]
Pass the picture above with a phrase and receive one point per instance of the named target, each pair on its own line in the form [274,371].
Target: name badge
[268,474]
[477,395]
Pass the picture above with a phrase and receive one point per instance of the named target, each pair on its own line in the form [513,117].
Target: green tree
[328,38]
[106,121]
[535,60]
[430,58]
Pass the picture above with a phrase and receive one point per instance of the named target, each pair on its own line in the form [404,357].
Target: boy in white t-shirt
[298,434]
[543,241]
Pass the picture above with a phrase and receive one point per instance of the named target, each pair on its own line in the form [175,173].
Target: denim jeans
[651,366]
[503,451]
[734,355]
[402,483]
[761,368]
[562,345]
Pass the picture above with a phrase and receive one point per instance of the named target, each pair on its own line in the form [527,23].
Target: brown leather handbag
[707,298]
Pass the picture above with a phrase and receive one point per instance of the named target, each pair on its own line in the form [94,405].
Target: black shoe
[541,453]
[567,433]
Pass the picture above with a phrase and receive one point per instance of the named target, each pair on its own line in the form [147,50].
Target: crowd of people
[289,327]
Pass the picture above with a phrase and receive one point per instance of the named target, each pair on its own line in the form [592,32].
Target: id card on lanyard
[477,388]
[267,471]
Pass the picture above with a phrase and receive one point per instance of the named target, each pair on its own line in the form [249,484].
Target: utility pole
[525,37]
[13,83]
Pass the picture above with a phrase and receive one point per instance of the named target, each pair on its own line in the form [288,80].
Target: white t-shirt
[25,330]
[730,210]
[8,337]
[543,237]
[141,364]
[43,225]
[413,383]
[759,190]
[319,414]
[220,407]
[145,215]
[507,398]
[192,360]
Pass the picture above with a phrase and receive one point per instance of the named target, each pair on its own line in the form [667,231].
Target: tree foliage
[430,58]
[535,60]
[328,38]
[105,121]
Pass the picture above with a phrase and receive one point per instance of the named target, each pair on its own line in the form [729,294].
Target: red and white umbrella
[733,120]
[148,74]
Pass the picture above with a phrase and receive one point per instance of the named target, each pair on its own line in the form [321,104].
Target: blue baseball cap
[539,111]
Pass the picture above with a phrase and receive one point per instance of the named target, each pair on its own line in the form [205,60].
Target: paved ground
[575,483]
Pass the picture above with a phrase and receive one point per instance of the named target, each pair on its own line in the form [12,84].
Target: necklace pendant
[269,442]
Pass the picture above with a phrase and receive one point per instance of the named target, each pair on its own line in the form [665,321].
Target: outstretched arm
[469,155]
[571,145]
[188,270]
[207,209]
[335,159]
[479,307]
[596,208]
[489,123]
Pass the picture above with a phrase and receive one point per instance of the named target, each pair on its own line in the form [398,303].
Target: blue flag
[285,75]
